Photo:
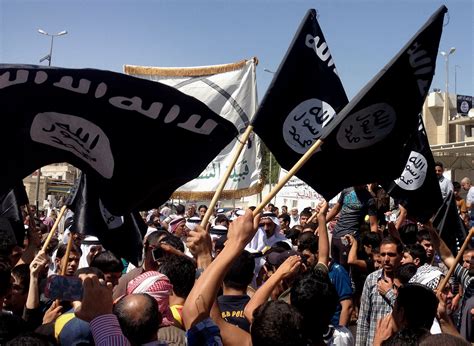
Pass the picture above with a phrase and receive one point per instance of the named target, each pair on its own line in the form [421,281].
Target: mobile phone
[67,288]
[157,253]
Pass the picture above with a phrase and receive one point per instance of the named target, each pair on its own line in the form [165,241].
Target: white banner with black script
[229,90]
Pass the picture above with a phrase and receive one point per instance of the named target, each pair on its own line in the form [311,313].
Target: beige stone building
[451,135]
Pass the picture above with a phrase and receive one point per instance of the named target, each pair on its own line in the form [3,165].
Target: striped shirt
[373,306]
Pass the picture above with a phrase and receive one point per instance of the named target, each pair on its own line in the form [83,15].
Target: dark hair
[180,209]
[90,270]
[410,297]
[416,251]
[220,218]
[277,323]
[439,163]
[202,206]
[138,328]
[62,250]
[174,241]
[107,262]
[182,273]
[285,217]
[306,212]
[308,241]
[153,238]
[5,273]
[423,234]
[408,233]
[443,339]
[391,240]
[376,250]
[241,271]
[405,272]
[372,239]
[456,185]
[22,273]
[313,291]
[293,234]
[407,337]
[312,225]
[30,338]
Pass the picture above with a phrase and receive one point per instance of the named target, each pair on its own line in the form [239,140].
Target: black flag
[417,187]
[122,235]
[449,224]
[112,126]
[359,144]
[10,209]
[302,99]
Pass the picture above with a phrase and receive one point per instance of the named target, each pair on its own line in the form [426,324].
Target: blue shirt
[342,282]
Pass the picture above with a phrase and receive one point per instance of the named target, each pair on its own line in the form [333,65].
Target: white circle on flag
[303,125]
[367,126]
[414,173]
[464,107]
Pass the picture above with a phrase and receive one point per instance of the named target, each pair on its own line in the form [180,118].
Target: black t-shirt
[232,310]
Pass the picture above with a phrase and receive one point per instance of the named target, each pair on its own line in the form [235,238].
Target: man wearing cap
[268,234]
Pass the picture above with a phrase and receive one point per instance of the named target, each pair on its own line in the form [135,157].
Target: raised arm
[199,302]
[352,257]
[285,270]
[323,243]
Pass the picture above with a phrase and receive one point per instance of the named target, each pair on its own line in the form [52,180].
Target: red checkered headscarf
[159,287]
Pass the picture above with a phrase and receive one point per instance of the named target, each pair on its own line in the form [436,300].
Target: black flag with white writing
[302,99]
[10,209]
[449,224]
[417,187]
[364,142]
[122,235]
[109,125]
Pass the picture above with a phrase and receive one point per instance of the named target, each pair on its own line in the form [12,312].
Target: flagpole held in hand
[458,258]
[225,177]
[288,176]
[53,229]
[66,255]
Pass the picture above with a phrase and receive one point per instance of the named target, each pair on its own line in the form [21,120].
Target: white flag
[229,90]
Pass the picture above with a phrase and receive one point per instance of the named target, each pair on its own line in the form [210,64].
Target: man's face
[303,219]
[407,258]
[465,185]
[191,210]
[294,212]
[284,210]
[15,300]
[390,257]
[439,171]
[180,231]
[268,226]
[466,259]
[202,212]
[377,261]
[283,225]
[72,265]
[428,248]
[310,258]
[112,277]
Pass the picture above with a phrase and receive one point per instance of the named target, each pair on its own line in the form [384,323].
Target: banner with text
[229,90]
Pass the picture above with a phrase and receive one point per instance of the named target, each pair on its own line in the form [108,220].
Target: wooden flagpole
[65,259]
[225,177]
[458,257]
[288,176]
[53,229]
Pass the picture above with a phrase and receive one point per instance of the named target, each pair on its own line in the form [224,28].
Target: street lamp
[456,78]
[446,94]
[49,56]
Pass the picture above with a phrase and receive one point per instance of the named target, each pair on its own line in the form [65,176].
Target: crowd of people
[357,272]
